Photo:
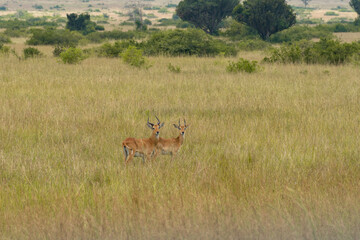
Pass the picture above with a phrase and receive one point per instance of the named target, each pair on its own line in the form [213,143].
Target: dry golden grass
[270,155]
[348,37]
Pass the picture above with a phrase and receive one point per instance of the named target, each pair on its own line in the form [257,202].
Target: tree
[355,4]
[265,16]
[306,2]
[206,14]
[80,23]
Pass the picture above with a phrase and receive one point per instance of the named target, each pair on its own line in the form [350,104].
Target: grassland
[270,155]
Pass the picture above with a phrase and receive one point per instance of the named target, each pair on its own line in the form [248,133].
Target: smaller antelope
[142,147]
[171,146]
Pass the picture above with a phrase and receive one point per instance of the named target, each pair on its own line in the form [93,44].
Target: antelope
[142,147]
[171,146]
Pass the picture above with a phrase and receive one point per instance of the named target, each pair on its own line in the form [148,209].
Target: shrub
[186,42]
[58,50]
[114,50]
[324,52]
[72,56]
[243,65]
[4,49]
[54,37]
[253,44]
[238,31]
[174,69]
[298,33]
[134,57]
[4,39]
[38,7]
[31,52]
[114,34]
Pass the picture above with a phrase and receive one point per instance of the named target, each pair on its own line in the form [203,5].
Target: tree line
[265,16]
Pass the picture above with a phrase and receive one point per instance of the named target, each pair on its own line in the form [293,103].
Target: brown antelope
[171,146]
[144,147]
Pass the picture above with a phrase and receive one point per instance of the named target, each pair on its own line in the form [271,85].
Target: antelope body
[171,146]
[144,147]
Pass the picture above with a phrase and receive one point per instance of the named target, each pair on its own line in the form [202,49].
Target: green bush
[243,65]
[323,52]
[239,31]
[4,39]
[58,50]
[134,57]
[4,49]
[72,56]
[16,33]
[298,33]
[31,52]
[186,42]
[253,44]
[338,27]
[114,50]
[54,37]
[114,35]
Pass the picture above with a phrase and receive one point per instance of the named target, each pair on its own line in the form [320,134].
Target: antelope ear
[161,125]
[150,125]
[175,126]
[187,126]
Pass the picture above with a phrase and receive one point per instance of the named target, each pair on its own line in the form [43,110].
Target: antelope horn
[184,122]
[149,122]
[158,120]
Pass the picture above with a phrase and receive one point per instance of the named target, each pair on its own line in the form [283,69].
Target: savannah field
[269,155]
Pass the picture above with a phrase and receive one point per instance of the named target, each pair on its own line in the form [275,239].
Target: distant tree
[80,23]
[205,14]
[265,16]
[306,2]
[355,4]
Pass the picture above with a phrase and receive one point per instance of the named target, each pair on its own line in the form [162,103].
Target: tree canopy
[206,14]
[80,23]
[355,4]
[266,16]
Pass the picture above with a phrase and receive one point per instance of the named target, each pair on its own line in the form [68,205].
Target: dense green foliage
[266,16]
[243,65]
[98,37]
[31,52]
[115,49]
[205,14]
[4,49]
[54,37]
[31,22]
[4,38]
[134,57]
[324,52]
[81,23]
[253,45]
[239,31]
[72,56]
[355,4]
[186,42]
[297,33]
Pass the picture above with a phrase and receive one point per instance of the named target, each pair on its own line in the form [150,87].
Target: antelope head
[155,127]
[182,128]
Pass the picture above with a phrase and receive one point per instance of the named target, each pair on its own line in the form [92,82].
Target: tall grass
[268,155]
